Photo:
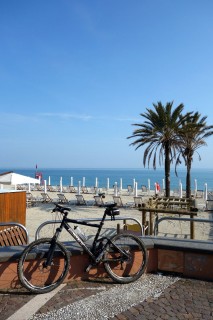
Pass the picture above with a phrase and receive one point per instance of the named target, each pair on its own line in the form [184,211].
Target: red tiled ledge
[188,258]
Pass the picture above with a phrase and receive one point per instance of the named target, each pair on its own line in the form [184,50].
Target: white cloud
[19,118]
[65,116]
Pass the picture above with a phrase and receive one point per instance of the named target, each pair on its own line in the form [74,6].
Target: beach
[42,212]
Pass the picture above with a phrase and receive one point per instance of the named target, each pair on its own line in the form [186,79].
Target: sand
[42,212]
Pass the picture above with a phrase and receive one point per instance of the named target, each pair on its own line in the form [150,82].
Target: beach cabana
[11,178]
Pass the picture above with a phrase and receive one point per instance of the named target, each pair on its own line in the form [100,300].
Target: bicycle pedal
[88,268]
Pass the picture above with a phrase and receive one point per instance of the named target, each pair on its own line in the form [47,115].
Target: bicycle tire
[32,273]
[125,270]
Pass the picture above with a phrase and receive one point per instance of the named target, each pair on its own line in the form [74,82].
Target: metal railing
[90,220]
[178,219]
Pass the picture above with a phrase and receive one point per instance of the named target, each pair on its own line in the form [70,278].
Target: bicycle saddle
[112,211]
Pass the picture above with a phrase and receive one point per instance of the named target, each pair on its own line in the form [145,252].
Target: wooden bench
[13,236]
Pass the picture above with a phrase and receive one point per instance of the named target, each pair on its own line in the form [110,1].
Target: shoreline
[140,175]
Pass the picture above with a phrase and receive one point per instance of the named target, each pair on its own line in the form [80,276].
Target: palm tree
[159,131]
[191,137]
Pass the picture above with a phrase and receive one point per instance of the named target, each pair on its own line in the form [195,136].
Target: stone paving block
[134,311]
[120,317]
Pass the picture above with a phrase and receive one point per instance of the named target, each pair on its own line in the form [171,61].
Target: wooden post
[192,226]
[151,215]
[143,214]
[118,228]
[125,225]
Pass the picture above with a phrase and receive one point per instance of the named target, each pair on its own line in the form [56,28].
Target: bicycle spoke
[128,265]
[34,274]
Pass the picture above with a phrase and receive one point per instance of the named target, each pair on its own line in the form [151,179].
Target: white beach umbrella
[61,184]
[45,186]
[163,184]
[83,184]
[79,187]
[96,182]
[195,187]
[133,183]
[107,183]
[49,181]
[157,188]
[148,184]
[116,189]
[180,190]
[205,192]
[121,184]
[71,181]
[136,189]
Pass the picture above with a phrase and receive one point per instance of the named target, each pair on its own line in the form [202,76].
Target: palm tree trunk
[188,180]
[167,171]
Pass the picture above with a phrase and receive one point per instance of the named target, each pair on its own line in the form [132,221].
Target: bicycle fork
[51,250]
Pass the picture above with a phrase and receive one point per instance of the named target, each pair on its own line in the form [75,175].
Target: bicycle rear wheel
[127,266]
[32,271]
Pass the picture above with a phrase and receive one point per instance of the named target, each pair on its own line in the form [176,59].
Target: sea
[103,177]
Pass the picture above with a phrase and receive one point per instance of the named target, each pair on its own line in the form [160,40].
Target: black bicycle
[44,263]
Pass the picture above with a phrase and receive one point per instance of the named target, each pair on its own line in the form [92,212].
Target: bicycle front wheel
[125,258]
[33,272]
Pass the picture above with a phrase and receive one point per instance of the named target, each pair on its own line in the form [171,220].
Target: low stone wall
[188,258]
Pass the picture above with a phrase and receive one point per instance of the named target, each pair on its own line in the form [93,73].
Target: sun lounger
[129,189]
[80,200]
[71,189]
[99,201]
[20,187]
[144,190]
[84,190]
[46,198]
[62,198]
[119,202]
[138,201]
[65,189]
[94,190]
[51,188]
[30,199]
[39,188]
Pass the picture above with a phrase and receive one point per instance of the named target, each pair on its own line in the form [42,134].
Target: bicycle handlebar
[62,209]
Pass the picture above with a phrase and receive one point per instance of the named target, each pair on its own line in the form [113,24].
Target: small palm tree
[191,137]
[159,131]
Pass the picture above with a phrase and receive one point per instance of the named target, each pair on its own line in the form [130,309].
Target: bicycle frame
[65,224]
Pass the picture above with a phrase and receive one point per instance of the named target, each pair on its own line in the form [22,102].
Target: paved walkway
[151,297]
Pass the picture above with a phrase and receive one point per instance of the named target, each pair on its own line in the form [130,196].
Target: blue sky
[75,75]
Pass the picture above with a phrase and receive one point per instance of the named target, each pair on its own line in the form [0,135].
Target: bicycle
[45,262]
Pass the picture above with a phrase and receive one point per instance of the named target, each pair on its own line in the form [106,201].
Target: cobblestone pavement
[183,299]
